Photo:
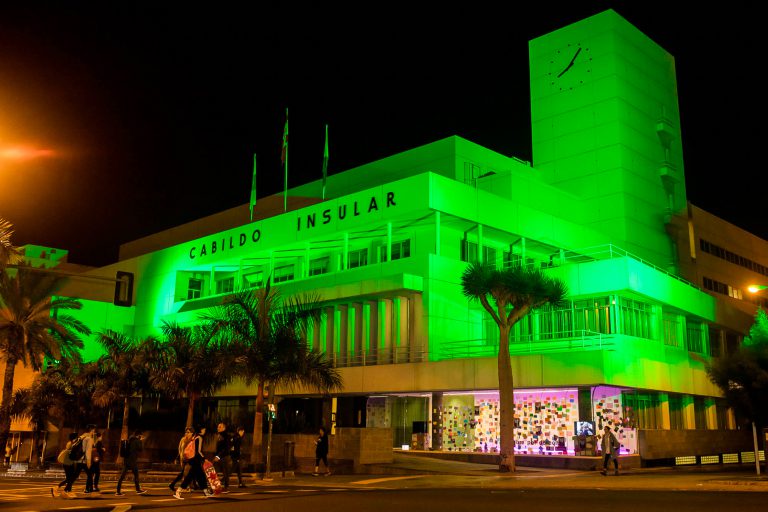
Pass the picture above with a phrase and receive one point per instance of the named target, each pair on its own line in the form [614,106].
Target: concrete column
[689,412]
[357,340]
[389,241]
[342,313]
[480,257]
[437,233]
[415,320]
[711,413]
[666,422]
[402,321]
[371,315]
[330,333]
[385,331]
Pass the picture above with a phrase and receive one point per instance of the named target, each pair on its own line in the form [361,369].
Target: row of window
[722,288]
[716,250]
[287,272]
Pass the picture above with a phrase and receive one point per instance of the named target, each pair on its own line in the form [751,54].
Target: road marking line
[275,492]
[307,490]
[390,479]
[166,499]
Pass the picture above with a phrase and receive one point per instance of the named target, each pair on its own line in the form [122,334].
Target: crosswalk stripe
[388,479]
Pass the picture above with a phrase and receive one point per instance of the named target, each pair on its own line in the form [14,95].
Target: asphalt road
[385,495]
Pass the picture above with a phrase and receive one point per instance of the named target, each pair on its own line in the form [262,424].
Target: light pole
[754,289]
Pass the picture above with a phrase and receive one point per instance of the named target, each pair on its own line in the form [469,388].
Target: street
[354,493]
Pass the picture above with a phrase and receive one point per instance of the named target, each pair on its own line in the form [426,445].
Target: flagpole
[325,161]
[285,141]
[253,187]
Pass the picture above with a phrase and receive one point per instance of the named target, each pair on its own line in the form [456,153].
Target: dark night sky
[153,110]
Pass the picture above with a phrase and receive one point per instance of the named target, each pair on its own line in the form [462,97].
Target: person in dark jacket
[131,461]
[237,443]
[222,459]
[96,459]
[321,452]
[69,470]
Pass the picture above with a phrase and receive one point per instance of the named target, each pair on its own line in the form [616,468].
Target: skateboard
[213,478]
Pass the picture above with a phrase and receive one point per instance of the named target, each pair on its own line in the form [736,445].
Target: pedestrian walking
[97,458]
[69,469]
[186,439]
[610,446]
[237,443]
[76,456]
[195,457]
[131,449]
[321,452]
[222,459]
[89,440]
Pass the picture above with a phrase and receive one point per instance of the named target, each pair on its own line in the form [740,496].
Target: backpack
[191,449]
[76,450]
[124,448]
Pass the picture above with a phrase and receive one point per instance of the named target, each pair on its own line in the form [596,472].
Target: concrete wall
[359,445]
[665,444]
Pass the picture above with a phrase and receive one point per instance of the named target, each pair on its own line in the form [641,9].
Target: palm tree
[193,363]
[59,395]
[124,370]
[32,328]
[508,295]
[8,253]
[269,337]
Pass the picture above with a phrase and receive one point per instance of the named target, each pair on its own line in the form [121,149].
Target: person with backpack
[194,454]
[610,446]
[189,434]
[130,451]
[69,470]
[76,455]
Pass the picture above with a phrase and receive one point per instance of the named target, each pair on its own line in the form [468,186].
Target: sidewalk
[408,470]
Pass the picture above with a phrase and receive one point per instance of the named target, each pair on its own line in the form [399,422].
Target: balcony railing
[393,355]
[554,342]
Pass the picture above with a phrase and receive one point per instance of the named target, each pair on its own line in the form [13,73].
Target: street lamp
[754,288]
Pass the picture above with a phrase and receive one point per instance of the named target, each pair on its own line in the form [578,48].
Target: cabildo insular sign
[219,244]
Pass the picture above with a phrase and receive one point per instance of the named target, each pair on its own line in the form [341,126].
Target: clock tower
[606,127]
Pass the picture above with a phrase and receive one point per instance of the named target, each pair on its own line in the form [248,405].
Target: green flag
[325,161]
[253,187]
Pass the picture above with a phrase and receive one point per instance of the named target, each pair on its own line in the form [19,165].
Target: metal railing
[391,355]
[558,342]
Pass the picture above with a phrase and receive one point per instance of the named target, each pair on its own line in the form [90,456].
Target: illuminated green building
[603,207]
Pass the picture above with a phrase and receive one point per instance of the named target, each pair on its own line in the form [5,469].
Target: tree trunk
[256,445]
[5,405]
[506,404]
[190,411]
[124,430]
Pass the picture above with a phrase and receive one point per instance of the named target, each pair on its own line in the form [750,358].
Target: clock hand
[570,64]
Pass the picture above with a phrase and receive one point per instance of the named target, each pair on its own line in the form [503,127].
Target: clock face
[570,67]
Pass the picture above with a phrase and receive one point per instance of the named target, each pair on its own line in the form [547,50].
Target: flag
[253,187]
[284,160]
[284,149]
[325,161]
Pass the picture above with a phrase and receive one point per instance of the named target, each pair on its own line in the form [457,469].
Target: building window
[676,417]
[695,337]
[253,279]
[469,253]
[226,285]
[194,289]
[646,408]
[284,273]
[592,316]
[731,257]
[635,318]
[721,411]
[400,250]
[357,258]
[700,412]
[511,260]
[319,266]
[671,330]
[715,343]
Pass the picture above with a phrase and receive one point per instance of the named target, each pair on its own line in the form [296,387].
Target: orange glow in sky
[23,153]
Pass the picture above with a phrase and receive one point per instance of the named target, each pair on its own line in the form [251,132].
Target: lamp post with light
[754,289]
